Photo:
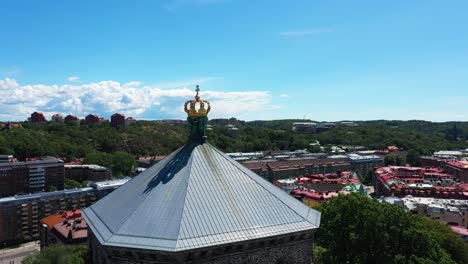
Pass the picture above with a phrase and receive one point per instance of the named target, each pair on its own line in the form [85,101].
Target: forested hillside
[153,138]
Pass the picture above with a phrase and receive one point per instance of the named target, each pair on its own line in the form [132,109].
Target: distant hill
[159,138]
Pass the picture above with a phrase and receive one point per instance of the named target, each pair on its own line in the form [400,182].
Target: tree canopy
[104,145]
[356,229]
[59,254]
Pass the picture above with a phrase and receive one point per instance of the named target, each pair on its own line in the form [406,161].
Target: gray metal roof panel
[194,198]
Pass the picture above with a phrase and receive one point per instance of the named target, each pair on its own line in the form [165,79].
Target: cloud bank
[135,99]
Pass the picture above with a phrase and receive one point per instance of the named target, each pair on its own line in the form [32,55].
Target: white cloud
[134,98]
[284,96]
[306,32]
[74,79]
[8,84]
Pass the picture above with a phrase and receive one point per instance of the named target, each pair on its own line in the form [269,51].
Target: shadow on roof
[176,164]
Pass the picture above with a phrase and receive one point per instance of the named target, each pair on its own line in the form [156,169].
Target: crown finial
[197,97]
[197,120]
[190,107]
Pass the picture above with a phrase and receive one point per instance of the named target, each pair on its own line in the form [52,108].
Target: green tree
[356,229]
[72,184]
[359,174]
[123,163]
[395,160]
[59,254]
[99,158]
[368,177]
[413,158]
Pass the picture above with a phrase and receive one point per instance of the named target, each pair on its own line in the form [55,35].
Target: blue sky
[322,60]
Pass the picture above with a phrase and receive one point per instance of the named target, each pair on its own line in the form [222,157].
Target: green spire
[197,118]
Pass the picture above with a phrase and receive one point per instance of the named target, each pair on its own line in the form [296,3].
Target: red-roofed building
[57,118]
[91,119]
[9,125]
[67,227]
[419,182]
[457,168]
[37,117]
[313,198]
[392,148]
[129,121]
[71,118]
[117,120]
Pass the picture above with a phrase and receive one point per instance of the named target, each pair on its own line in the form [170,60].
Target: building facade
[273,170]
[365,163]
[130,121]
[63,227]
[117,120]
[57,118]
[87,172]
[71,118]
[20,215]
[38,117]
[457,168]
[304,127]
[91,119]
[38,175]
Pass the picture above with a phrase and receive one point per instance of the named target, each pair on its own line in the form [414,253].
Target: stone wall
[299,252]
[287,251]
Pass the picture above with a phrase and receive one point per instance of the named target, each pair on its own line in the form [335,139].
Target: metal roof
[196,197]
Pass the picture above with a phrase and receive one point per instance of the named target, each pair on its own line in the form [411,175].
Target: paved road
[16,255]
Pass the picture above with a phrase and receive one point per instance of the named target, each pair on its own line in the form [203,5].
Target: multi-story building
[233,131]
[37,117]
[348,124]
[451,211]
[57,118]
[459,169]
[13,179]
[432,161]
[103,188]
[87,172]
[304,127]
[117,120]
[91,119]
[364,163]
[71,118]
[130,121]
[418,182]
[20,215]
[31,176]
[9,125]
[274,169]
[7,158]
[64,227]
[321,127]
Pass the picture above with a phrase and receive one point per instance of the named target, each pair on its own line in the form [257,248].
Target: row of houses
[283,168]
[117,120]
[433,182]
[450,211]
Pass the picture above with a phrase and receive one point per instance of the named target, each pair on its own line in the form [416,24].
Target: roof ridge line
[190,161]
[247,171]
